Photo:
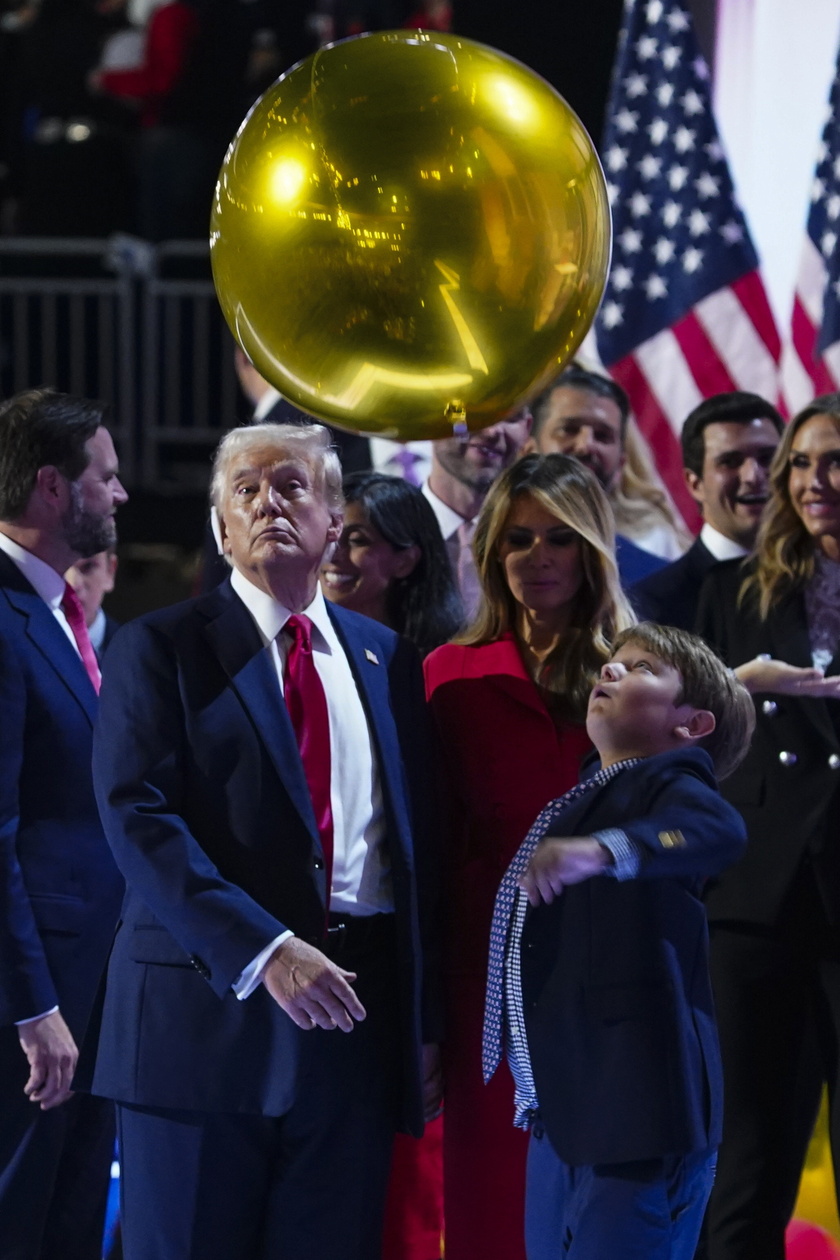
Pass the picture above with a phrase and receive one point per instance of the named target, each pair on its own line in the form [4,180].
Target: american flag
[685,314]
[811,357]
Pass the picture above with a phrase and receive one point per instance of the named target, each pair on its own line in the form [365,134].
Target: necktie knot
[300,628]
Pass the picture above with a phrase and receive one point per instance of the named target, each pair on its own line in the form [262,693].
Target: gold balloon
[410,231]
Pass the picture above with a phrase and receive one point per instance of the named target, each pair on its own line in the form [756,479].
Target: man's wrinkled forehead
[259,462]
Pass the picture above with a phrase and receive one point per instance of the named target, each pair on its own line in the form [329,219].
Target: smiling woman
[774,916]
[390,562]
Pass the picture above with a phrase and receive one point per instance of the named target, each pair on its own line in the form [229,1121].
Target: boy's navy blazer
[206,806]
[618,1003]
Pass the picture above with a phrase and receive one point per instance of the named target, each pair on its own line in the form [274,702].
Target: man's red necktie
[307,706]
[72,610]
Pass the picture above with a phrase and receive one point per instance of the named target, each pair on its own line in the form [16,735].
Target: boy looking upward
[599,982]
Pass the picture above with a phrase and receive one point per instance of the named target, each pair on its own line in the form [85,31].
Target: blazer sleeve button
[318,863]
[834,762]
[788,758]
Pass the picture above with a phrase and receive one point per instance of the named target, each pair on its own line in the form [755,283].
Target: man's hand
[49,1046]
[311,989]
[765,674]
[560,862]
[432,1083]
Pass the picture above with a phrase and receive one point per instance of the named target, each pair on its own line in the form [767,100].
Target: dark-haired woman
[509,700]
[390,562]
[775,915]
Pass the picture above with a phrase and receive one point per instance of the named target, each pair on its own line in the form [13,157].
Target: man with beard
[60,890]
[463,470]
[587,415]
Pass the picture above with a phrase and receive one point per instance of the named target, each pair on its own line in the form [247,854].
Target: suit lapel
[47,637]
[502,667]
[372,682]
[236,642]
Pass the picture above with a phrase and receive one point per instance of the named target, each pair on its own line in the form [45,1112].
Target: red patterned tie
[307,705]
[72,610]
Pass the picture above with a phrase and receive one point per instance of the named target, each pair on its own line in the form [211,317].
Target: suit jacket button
[769,707]
[788,758]
[834,762]
[318,863]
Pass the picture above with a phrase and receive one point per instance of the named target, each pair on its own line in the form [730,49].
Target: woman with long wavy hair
[509,700]
[775,915]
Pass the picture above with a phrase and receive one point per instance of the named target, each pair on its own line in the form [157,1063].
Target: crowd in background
[128,108]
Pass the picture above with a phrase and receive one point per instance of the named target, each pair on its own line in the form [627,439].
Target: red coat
[504,759]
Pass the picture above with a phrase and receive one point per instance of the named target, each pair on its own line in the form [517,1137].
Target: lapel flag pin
[372,657]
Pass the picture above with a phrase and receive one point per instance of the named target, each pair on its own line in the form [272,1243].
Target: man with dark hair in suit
[586,415]
[728,444]
[261,770]
[61,891]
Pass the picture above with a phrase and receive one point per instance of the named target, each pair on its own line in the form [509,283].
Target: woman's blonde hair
[569,491]
[640,501]
[785,549]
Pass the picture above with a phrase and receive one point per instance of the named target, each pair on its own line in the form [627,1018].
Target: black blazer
[671,595]
[206,807]
[788,787]
[618,1003]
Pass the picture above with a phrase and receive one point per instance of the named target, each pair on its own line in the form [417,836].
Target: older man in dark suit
[260,768]
[61,891]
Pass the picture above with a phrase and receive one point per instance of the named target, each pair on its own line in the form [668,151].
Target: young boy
[598,975]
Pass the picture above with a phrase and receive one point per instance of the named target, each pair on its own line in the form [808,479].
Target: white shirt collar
[271,616]
[448,520]
[264,405]
[721,547]
[47,582]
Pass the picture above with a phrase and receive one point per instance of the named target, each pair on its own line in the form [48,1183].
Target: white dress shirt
[265,403]
[721,547]
[361,873]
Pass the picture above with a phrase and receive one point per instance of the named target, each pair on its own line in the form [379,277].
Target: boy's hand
[560,862]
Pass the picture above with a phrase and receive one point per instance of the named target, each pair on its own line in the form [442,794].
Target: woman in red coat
[509,700]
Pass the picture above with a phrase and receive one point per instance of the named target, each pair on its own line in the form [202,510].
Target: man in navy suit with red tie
[260,769]
[60,890]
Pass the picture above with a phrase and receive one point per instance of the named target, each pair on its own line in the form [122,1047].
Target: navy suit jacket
[615,982]
[60,890]
[671,595]
[206,806]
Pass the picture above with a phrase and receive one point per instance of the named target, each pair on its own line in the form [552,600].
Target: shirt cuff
[247,980]
[20,1022]
[627,856]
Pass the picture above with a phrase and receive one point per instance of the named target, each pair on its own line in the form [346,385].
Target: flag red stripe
[804,336]
[752,295]
[702,358]
[658,432]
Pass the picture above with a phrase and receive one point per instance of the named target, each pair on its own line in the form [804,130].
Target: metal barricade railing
[135,325]
[67,319]
[189,384]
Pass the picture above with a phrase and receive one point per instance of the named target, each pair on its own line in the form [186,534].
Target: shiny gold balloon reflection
[410,230]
